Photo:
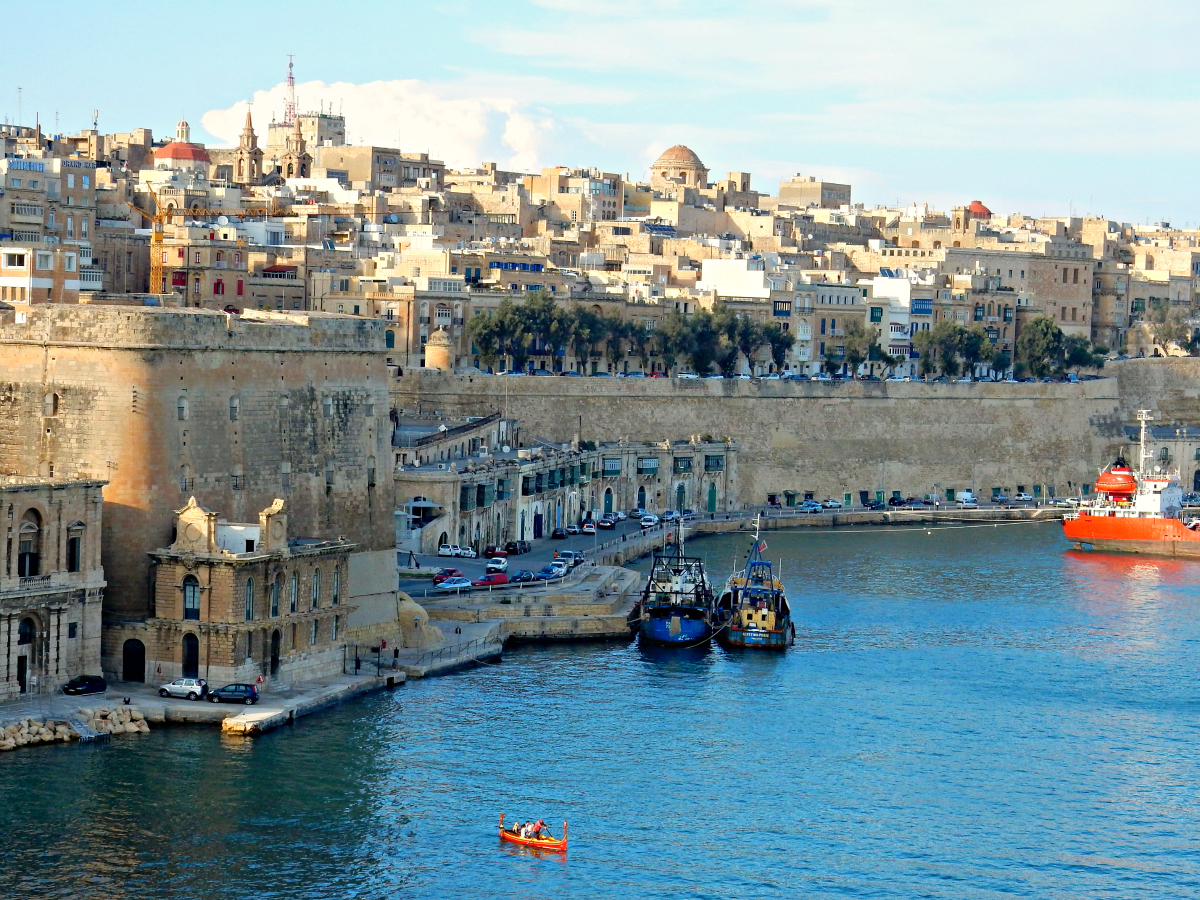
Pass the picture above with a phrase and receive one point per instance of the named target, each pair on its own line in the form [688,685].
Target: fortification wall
[810,436]
[122,375]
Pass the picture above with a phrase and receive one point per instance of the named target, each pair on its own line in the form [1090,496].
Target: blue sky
[1084,106]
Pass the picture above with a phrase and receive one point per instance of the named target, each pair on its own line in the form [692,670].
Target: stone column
[53,624]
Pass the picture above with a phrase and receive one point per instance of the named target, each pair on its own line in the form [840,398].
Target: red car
[491,579]
[442,574]
[492,552]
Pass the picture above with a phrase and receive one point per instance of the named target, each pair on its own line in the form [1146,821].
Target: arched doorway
[608,500]
[133,661]
[191,656]
[680,498]
[537,523]
[1196,481]
[444,539]
[642,497]
[712,498]
[26,633]
[275,641]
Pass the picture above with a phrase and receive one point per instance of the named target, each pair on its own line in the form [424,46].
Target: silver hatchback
[192,688]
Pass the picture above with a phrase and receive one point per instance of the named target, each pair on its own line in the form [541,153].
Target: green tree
[858,341]
[485,333]
[614,339]
[641,341]
[975,347]
[1078,353]
[1040,346]
[672,339]
[780,342]
[1167,325]
[704,342]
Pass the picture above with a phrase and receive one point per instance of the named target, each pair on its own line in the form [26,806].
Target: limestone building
[236,411]
[233,601]
[51,578]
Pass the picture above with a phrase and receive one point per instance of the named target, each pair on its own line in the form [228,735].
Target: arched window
[185,478]
[337,585]
[234,405]
[241,167]
[29,544]
[295,594]
[276,590]
[220,256]
[249,599]
[316,588]
[50,405]
[389,340]
[291,170]
[191,597]
[75,534]
[181,408]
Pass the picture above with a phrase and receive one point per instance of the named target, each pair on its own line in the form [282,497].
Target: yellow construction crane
[161,216]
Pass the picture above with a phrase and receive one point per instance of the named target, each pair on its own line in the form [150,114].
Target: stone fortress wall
[829,439]
[146,402]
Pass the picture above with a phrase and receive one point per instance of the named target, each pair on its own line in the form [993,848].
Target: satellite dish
[222,220]
[1157,470]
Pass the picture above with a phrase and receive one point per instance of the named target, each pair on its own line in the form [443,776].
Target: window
[329,472]
[45,260]
[218,287]
[714,463]
[50,405]
[316,588]
[276,589]
[83,227]
[370,471]
[295,591]
[1064,271]
[70,227]
[70,180]
[240,287]
[196,258]
[249,599]
[191,598]
[683,465]
[181,409]
[185,478]
[69,262]
[335,628]
[337,586]
[72,629]
[285,475]
[87,181]
[234,406]
[312,635]
[75,552]
[876,313]
[327,407]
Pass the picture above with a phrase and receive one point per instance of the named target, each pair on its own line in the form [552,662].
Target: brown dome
[678,155]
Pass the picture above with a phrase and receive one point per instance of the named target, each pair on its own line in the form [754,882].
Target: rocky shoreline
[30,732]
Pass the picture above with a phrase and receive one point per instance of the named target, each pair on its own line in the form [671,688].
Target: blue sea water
[972,713]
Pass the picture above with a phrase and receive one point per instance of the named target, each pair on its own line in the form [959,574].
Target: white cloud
[449,121]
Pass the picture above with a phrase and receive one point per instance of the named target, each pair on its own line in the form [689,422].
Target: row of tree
[541,328]
[1042,348]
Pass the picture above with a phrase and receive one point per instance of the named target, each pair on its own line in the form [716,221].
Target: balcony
[31,582]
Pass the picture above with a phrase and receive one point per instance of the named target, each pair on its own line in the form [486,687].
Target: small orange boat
[541,843]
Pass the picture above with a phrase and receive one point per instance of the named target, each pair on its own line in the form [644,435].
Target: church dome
[180,150]
[979,211]
[677,156]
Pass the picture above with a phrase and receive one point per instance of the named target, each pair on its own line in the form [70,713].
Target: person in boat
[538,827]
[516,826]
[527,830]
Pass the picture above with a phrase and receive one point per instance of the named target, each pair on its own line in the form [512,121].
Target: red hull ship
[1135,511]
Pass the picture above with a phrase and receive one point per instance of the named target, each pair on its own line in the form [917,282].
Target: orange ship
[1135,511]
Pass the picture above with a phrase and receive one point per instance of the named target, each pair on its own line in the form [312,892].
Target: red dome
[979,211]
[1116,481]
[181,150]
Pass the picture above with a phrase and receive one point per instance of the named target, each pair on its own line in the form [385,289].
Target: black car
[520,576]
[559,533]
[85,684]
[895,501]
[235,693]
[517,547]
[607,522]
[873,504]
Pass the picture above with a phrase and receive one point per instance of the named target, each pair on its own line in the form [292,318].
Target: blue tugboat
[753,611]
[677,604]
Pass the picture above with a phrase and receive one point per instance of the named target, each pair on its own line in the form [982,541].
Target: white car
[968,504]
[497,564]
[454,585]
[831,504]
[448,550]
[649,520]
[192,688]
[1023,497]
[589,527]
[690,376]
[466,552]
[621,515]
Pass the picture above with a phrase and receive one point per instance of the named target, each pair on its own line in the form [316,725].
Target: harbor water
[972,712]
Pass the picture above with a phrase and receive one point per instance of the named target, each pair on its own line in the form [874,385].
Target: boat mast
[1144,416]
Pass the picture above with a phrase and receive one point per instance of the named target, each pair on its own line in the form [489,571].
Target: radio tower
[289,104]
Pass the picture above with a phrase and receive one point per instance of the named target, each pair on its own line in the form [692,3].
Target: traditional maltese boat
[546,842]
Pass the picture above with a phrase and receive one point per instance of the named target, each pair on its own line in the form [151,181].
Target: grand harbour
[380,520]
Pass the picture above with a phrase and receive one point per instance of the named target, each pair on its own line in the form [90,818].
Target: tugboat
[753,611]
[1135,511]
[677,605]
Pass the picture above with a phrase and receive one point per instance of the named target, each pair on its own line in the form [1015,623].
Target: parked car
[689,376]
[491,552]
[571,558]
[649,520]
[467,552]
[621,515]
[811,506]
[517,547]
[551,571]
[670,516]
[497,564]
[454,585]
[999,498]
[914,503]
[491,579]
[968,504]
[573,529]
[235,693]
[637,512]
[607,522]
[831,504]
[559,534]
[448,550]
[895,501]
[520,576]
[192,688]
[688,514]
[874,504]
[85,684]
[1023,497]
[442,574]
[589,527]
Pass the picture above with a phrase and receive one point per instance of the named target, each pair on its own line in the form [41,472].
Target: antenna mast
[289,103]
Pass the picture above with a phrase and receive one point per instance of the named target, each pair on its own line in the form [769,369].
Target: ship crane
[162,215]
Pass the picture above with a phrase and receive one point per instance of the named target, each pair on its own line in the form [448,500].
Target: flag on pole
[762,545]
